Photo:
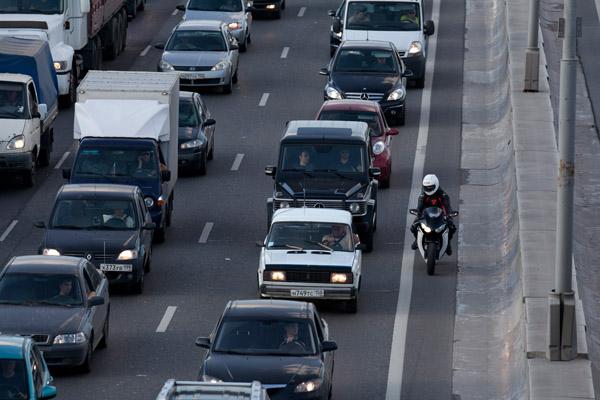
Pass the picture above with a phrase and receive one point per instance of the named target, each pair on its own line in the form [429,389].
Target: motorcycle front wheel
[431,255]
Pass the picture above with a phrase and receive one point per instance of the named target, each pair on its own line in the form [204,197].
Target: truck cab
[327,164]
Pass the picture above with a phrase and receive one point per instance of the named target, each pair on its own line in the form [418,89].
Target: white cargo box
[186,390]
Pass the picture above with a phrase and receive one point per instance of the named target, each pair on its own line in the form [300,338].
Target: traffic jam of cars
[138,131]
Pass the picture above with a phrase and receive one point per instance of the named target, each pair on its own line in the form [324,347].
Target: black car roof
[269,309]
[44,264]
[346,131]
[96,190]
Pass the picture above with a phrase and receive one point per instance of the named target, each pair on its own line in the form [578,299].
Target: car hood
[401,39]
[310,258]
[113,241]
[194,58]
[372,83]
[225,16]
[30,320]
[269,370]
[11,128]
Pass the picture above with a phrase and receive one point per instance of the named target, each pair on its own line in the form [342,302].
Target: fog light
[354,208]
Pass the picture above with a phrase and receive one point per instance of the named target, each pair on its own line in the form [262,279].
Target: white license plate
[116,267]
[192,76]
[307,293]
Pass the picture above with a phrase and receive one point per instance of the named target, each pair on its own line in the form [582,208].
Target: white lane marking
[205,232]
[302,11]
[263,100]
[285,52]
[8,230]
[175,12]
[397,352]
[166,319]
[145,51]
[62,160]
[237,162]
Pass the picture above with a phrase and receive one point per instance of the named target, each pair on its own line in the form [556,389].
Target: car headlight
[50,252]
[397,94]
[16,143]
[333,93]
[354,208]
[378,147]
[284,204]
[128,255]
[276,275]
[70,338]
[192,144]
[211,379]
[149,201]
[270,6]
[415,48]
[234,25]
[425,228]
[309,386]
[440,228]
[60,65]
[165,66]
[338,277]
[220,66]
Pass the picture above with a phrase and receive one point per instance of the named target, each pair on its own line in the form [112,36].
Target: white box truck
[127,126]
[173,390]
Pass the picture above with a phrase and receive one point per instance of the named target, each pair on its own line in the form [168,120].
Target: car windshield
[13,379]
[187,115]
[323,158]
[94,214]
[365,60]
[310,236]
[383,16]
[183,40]
[116,162]
[215,5]
[350,115]
[12,101]
[31,6]
[265,337]
[40,289]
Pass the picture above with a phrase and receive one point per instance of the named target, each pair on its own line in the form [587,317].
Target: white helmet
[430,184]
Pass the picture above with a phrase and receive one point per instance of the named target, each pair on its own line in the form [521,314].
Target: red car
[371,113]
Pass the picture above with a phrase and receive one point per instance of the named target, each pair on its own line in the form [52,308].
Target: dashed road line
[62,160]
[236,163]
[145,51]
[166,319]
[302,11]
[263,100]
[284,52]
[205,232]
[8,230]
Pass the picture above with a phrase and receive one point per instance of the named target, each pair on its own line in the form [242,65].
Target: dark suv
[327,164]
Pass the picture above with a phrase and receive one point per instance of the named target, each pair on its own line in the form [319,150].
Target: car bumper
[187,160]
[204,78]
[383,161]
[392,109]
[416,65]
[124,277]
[15,162]
[331,292]
[287,393]
[64,355]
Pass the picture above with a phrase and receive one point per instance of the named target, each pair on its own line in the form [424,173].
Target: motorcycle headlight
[50,252]
[338,277]
[415,48]
[333,93]
[16,143]
[220,66]
[70,338]
[165,66]
[128,255]
[149,201]
[211,379]
[425,228]
[309,386]
[440,228]
[234,25]
[354,208]
[397,94]
[192,144]
[378,147]
[60,66]
[277,275]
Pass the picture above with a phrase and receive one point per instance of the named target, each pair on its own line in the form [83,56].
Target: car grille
[401,53]
[360,96]
[96,256]
[312,203]
[40,339]
[311,276]
[212,81]
[192,68]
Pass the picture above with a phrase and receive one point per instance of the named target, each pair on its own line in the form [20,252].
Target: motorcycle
[432,235]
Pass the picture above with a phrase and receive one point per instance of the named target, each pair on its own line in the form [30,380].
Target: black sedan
[283,344]
[369,70]
[196,133]
[61,302]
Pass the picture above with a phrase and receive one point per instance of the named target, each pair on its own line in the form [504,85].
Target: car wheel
[142,5]
[235,77]
[351,306]
[86,367]
[420,83]
[138,286]
[104,342]
[211,153]
[227,88]
[367,239]
[28,177]
[401,119]
[201,169]
[160,234]
[131,8]
[283,5]
[386,183]
[244,46]
[147,264]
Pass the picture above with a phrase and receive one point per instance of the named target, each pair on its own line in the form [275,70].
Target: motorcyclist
[433,196]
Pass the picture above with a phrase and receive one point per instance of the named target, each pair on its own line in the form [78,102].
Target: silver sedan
[205,53]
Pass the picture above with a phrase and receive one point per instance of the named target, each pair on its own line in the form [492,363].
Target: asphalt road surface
[199,278]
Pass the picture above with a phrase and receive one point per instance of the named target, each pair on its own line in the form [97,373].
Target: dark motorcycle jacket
[438,199]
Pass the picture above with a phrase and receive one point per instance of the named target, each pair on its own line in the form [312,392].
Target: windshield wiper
[68,227]
[338,173]
[50,303]
[320,244]
[241,353]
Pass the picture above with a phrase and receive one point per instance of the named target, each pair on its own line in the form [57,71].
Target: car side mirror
[203,342]
[408,73]
[48,392]
[259,244]
[160,46]
[324,71]
[148,226]
[39,224]
[337,25]
[66,173]
[95,301]
[414,211]
[374,172]
[331,13]
[393,132]
[208,122]
[42,111]
[234,47]
[36,115]
[429,28]
[165,175]
[180,7]
[328,345]
[270,170]
[250,8]
[454,213]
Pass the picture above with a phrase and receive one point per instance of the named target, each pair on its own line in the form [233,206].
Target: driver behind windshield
[339,238]
[11,101]
[12,382]
[119,216]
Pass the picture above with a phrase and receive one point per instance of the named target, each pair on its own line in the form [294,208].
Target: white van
[398,21]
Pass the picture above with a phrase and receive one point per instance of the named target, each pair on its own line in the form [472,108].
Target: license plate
[116,267]
[192,76]
[307,293]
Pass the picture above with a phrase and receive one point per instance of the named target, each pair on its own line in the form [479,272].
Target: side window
[341,10]
[93,274]
[319,327]
[90,288]
[199,110]
[142,205]
[32,98]
[37,374]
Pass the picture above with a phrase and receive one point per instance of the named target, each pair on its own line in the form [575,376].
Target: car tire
[160,234]
[28,177]
[86,367]
[283,5]
[211,152]
[351,306]
[228,87]
[105,330]
[147,266]
[367,239]
[138,286]
[401,119]
[142,5]
[131,9]
[201,168]
[420,83]
[386,183]
[235,76]
[243,47]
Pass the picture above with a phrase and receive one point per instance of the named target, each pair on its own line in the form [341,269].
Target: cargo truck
[28,106]
[79,32]
[127,127]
